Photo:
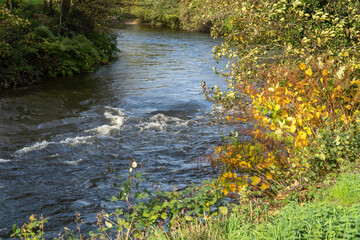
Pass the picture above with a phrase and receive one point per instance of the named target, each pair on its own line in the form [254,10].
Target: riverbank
[174,14]
[332,215]
[35,44]
[292,96]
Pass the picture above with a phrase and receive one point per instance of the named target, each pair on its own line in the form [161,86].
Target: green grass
[346,191]
[336,215]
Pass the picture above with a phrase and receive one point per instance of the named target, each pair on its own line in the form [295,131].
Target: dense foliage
[183,14]
[34,46]
[293,76]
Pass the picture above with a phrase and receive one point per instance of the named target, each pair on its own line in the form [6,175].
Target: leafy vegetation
[298,88]
[182,14]
[293,88]
[331,216]
[34,45]
[149,207]
[322,219]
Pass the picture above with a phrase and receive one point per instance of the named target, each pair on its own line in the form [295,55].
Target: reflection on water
[56,137]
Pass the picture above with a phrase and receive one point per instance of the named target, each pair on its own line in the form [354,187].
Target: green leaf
[189,218]
[164,216]
[224,210]
[142,196]
[113,199]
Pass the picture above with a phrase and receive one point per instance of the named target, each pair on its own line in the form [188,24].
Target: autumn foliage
[293,91]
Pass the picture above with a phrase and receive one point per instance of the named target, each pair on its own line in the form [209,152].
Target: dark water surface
[55,137]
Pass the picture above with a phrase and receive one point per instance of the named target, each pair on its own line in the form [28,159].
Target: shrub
[293,87]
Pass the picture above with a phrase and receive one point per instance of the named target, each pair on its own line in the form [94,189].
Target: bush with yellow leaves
[294,78]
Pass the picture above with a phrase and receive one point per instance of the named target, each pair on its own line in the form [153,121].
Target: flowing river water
[57,137]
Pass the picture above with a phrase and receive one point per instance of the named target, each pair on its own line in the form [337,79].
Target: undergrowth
[34,46]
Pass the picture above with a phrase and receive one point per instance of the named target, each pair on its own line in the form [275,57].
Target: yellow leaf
[277,107]
[232,187]
[309,72]
[343,117]
[264,186]
[268,176]
[293,128]
[224,210]
[284,114]
[308,130]
[32,218]
[302,135]
[255,180]
[300,121]
[228,118]
[324,72]
[302,66]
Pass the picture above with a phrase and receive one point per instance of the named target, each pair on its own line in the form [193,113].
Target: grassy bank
[35,45]
[179,14]
[333,215]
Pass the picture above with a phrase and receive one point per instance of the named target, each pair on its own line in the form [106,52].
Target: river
[56,138]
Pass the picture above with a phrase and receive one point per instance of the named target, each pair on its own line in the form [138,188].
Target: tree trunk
[64,10]
[45,6]
[51,7]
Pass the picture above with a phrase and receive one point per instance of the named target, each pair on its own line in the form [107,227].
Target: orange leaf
[302,66]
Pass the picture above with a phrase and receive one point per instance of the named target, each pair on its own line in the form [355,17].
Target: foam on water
[74,163]
[160,122]
[4,160]
[36,146]
[76,141]
[117,120]
[42,145]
